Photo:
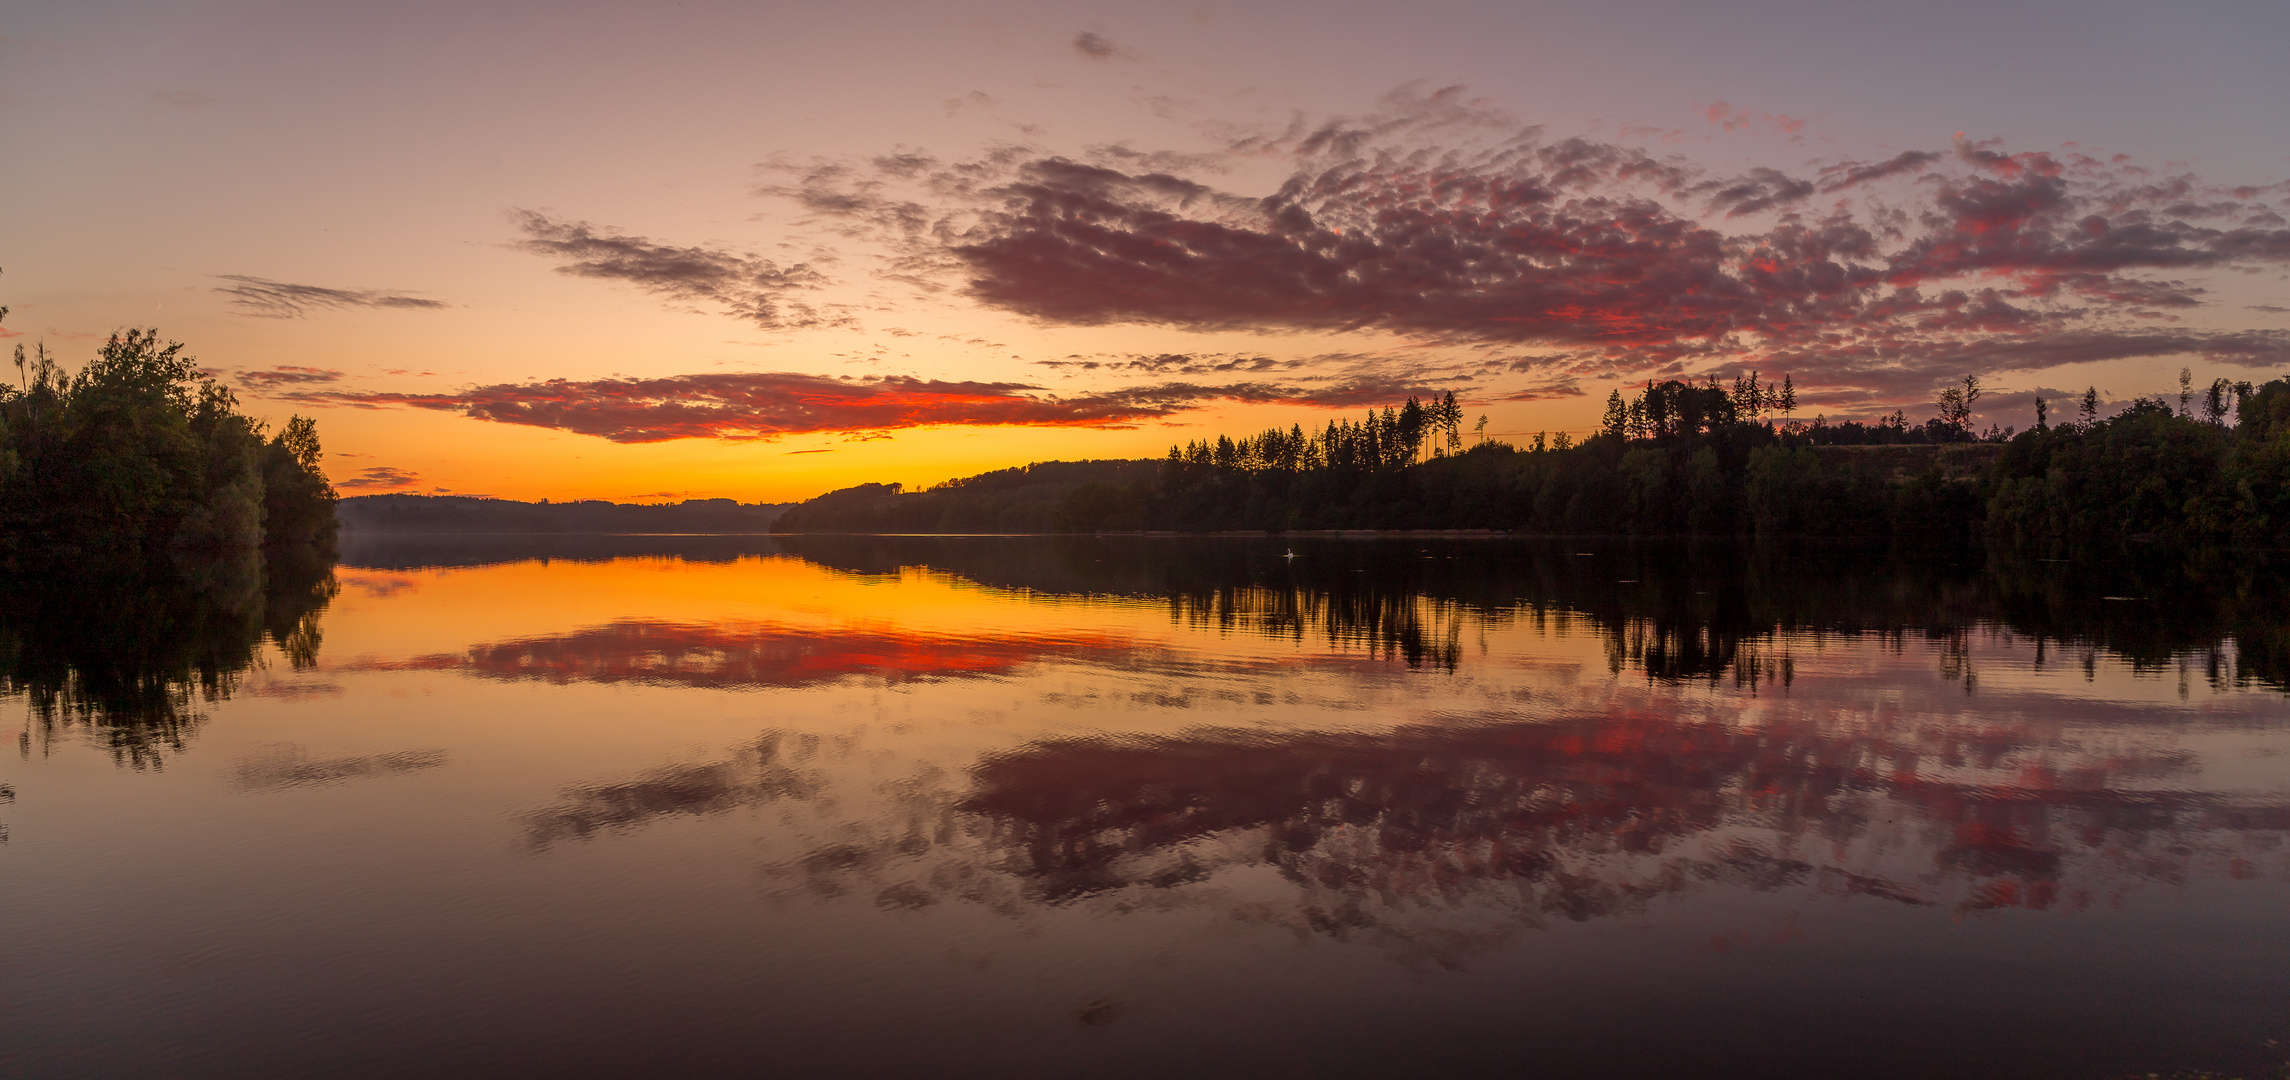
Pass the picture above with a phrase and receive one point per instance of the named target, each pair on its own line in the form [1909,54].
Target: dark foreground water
[615,806]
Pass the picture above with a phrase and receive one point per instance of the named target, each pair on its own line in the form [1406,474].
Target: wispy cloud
[1095,46]
[747,287]
[1550,391]
[1177,364]
[286,375]
[382,477]
[267,299]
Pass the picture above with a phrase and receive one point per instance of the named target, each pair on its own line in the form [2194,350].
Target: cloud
[267,299]
[768,405]
[383,477]
[1734,118]
[1758,191]
[1511,252]
[753,289]
[286,375]
[1361,391]
[1446,225]
[1095,46]
[1853,174]
[1550,391]
[1178,364]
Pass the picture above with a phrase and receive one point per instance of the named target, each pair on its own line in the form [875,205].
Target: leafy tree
[1956,407]
[139,461]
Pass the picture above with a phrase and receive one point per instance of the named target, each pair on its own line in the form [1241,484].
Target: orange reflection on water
[424,612]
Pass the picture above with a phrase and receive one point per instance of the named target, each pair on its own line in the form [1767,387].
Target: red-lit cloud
[767,405]
[1545,247]
[1880,275]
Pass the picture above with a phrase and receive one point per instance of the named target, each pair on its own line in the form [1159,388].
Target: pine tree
[1617,416]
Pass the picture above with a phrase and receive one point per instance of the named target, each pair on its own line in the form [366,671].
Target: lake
[618,805]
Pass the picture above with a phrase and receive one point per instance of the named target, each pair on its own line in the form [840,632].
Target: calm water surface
[572,806]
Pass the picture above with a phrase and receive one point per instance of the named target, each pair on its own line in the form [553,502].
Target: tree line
[1673,609]
[1684,457]
[139,462]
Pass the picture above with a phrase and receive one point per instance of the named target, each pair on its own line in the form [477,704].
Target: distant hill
[466,514]
[1045,497]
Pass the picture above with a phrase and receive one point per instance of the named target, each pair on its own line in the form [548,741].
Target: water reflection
[135,664]
[1592,816]
[1421,834]
[741,655]
[410,551]
[277,768]
[1673,611]
[774,767]
[995,793]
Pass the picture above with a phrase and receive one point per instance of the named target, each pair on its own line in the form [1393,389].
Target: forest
[139,465]
[1676,458]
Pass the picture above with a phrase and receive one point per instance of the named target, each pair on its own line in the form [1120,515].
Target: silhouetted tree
[138,461]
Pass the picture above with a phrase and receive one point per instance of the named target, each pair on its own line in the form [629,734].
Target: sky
[756,251]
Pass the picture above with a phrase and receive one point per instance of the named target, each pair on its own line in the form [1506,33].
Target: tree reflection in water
[132,663]
[1672,610]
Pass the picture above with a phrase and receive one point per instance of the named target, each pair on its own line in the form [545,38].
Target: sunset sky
[696,250]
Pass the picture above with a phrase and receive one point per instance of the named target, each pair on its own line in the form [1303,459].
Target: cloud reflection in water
[1431,838]
[745,655]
